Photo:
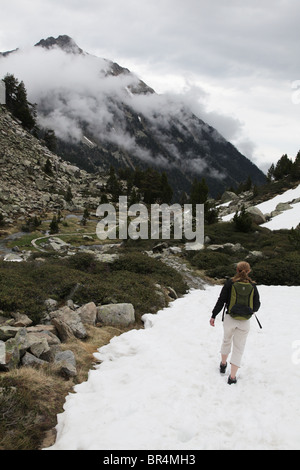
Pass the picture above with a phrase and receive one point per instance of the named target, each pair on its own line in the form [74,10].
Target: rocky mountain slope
[104,115]
[34,179]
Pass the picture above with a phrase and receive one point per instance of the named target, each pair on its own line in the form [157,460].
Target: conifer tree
[295,172]
[166,189]
[283,167]
[17,103]
[54,225]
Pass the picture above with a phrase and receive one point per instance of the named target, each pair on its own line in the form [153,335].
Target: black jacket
[224,298]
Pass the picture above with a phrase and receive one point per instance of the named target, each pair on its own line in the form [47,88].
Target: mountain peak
[64,42]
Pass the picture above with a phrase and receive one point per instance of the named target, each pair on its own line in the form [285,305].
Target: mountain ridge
[104,115]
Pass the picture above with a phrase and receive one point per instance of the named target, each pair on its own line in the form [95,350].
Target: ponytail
[242,272]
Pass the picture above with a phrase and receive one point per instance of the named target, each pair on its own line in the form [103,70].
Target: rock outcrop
[26,345]
[33,179]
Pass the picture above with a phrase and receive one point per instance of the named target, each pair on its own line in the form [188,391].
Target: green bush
[24,287]
[208,259]
[243,221]
[278,271]
[82,262]
[159,272]
[221,272]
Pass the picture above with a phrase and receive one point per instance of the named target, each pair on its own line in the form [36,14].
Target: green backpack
[241,301]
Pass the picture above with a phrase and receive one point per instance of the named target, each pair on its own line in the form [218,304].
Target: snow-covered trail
[160,388]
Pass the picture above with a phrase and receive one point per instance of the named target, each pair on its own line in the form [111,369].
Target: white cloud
[220,45]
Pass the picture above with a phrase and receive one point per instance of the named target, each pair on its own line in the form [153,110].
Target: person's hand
[212,321]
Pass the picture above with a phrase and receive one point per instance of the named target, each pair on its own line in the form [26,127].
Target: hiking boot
[231,380]
[223,368]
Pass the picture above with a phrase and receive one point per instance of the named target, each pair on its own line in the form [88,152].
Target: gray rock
[88,313]
[116,314]
[66,362]
[256,215]
[37,344]
[229,196]
[283,206]
[51,305]
[21,319]
[30,360]
[68,324]
[11,356]
[7,332]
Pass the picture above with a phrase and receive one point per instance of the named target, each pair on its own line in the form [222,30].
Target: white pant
[235,334]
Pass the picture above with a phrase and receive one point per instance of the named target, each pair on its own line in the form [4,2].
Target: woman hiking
[241,298]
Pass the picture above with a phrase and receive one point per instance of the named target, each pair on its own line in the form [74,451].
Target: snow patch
[160,388]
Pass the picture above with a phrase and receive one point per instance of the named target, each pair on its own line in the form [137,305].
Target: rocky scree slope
[33,179]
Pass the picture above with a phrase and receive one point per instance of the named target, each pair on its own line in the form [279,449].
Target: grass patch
[24,287]
[30,398]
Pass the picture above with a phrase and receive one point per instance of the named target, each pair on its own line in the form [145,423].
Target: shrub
[210,259]
[82,262]
[278,271]
[160,273]
[243,221]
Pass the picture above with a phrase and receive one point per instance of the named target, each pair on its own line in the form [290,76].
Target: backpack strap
[223,313]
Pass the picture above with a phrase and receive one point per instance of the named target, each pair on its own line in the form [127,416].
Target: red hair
[242,272]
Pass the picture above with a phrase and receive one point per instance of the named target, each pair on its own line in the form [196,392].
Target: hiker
[241,298]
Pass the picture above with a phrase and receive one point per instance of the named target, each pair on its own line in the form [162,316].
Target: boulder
[51,305]
[116,314]
[45,329]
[88,313]
[283,206]
[21,319]
[11,356]
[37,344]
[256,215]
[228,196]
[30,360]
[7,332]
[68,324]
[66,362]
[57,244]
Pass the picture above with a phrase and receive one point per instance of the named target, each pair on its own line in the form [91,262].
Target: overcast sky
[238,63]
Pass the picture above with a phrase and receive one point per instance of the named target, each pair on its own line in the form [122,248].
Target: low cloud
[76,93]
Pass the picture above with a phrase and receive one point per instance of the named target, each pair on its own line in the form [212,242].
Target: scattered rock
[88,313]
[68,324]
[256,215]
[229,196]
[116,314]
[30,360]
[11,355]
[51,305]
[66,362]
[283,206]
[160,247]
[21,319]
[7,332]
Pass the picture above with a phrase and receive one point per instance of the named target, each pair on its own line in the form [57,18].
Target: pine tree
[295,172]
[17,103]
[54,225]
[48,168]
[113,186]
[50,140]
[270,174]
[243,221]
[166,189]
[199,192]
[283,167]
[23,110]
[69,195]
